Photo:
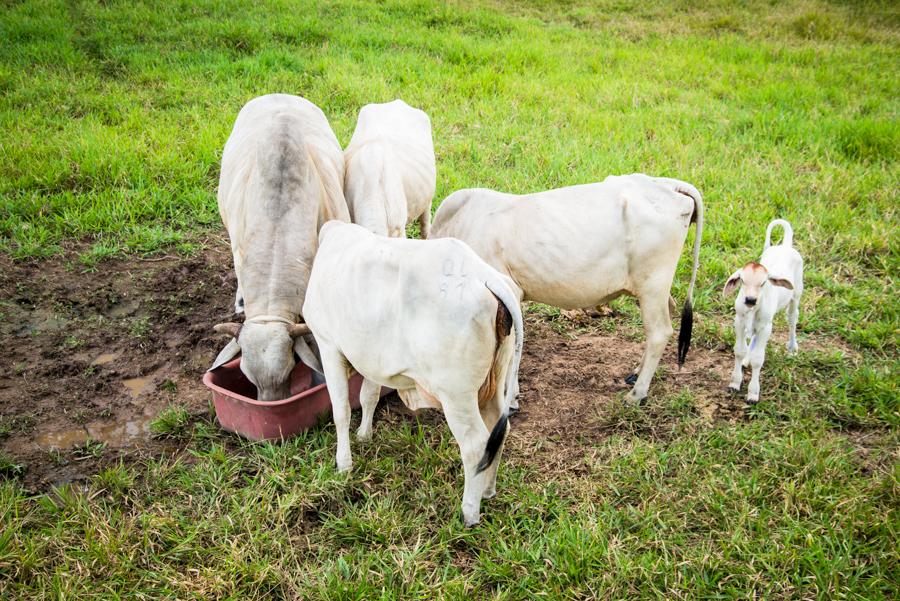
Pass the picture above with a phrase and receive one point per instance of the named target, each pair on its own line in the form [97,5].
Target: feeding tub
[238,411]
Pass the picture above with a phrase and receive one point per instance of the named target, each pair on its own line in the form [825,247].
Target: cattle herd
[320,233]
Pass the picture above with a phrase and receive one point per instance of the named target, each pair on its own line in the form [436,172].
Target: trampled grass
[113,117]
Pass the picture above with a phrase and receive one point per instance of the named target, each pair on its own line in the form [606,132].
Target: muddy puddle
[105,358]
[99,355]
[137,386]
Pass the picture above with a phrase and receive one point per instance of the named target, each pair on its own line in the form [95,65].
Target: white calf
[390,172]
[767,287]
[429,318]
[583,246]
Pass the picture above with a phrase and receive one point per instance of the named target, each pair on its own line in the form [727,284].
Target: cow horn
[298,329]
[230,328]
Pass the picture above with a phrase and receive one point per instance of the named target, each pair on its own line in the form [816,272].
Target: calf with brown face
[773,284]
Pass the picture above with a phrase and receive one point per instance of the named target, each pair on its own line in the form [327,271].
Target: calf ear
[781,282]
[231,350]
[304,350]
[230,328]
[732,283]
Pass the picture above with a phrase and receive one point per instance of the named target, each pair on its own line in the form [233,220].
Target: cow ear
[306,348]
[781,282]
[732,283]
[231,350]
[230,328]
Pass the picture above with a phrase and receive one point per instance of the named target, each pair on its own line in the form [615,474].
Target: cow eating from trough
[390,172]
[428,318]
[282,175]
[583,246]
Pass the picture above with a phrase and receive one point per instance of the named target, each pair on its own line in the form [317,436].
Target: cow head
[267,350]
[752,277]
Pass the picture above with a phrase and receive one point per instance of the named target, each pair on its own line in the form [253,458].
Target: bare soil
[96,355]
[91,357]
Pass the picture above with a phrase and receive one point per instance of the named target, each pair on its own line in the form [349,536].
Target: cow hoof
[751,401]
[489,494]
[629,400]
[630,379]
[363,436]
[733,391]
[512,410]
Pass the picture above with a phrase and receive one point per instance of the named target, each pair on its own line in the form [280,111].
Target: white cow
[282,175]
[428,318]
[390,172]
[775,283]
[585,245]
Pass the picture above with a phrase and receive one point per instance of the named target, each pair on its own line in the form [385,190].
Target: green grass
[171,422]
[114,115]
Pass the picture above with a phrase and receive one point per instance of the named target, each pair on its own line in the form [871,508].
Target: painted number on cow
[453,281]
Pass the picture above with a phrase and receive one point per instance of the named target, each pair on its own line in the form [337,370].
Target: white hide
[773,284]
[583,246]
[390,171]
[281,179]
[418,316]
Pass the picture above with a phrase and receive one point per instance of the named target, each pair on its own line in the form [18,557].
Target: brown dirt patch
[572,390]
[96,355]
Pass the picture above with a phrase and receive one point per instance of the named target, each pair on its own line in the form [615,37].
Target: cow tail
[788,237]
[498,433]
[495,441]
[687,313]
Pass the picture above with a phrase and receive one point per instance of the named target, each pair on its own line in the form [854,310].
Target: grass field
[113,118]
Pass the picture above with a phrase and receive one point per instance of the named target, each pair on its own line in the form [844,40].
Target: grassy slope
[113,118]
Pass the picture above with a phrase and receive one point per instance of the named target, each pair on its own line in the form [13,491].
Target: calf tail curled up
[787,239]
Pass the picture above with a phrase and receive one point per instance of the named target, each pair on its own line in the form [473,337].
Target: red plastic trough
[238,410]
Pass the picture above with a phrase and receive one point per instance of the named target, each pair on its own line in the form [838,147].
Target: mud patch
[573,389]
[105,358]
[95,356]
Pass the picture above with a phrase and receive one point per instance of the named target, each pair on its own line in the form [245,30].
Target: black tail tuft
[684,333]
[495,440]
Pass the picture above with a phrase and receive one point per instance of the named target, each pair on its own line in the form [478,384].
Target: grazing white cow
[390,172]
[282,175]
[428,318]
[775,283]
[582,246]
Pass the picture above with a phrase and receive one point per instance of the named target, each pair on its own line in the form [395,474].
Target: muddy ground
[90,357]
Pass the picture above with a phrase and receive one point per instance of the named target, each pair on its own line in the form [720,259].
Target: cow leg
[425,224]
[740,352]
[657,330]
[471,435]
[793,315]
[491,412]
[368,398]
[631,378]
[757,357]
[335,367]
[749,337]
